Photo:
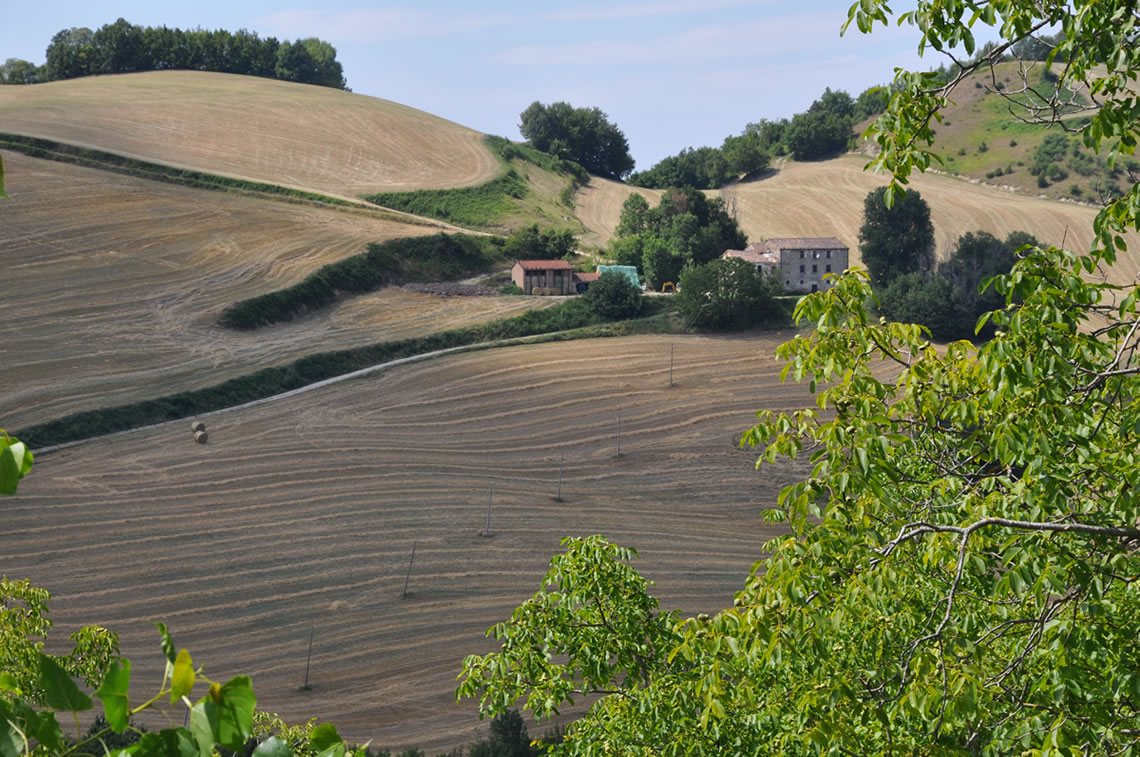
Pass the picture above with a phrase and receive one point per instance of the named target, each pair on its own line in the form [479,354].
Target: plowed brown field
[112,287]
[298,135]
[302,514]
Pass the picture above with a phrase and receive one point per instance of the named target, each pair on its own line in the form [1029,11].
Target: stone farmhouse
[801,262]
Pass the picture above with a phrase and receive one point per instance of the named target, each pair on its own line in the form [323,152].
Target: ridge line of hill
[106,160]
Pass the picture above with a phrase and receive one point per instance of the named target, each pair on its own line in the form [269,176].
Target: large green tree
[898,239]
[583,135]
[961,570]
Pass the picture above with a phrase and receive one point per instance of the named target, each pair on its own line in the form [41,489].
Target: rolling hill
[825,198]
[300,515]
[307,137]
[113,287]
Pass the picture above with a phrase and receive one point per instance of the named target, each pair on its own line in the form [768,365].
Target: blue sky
[671,74]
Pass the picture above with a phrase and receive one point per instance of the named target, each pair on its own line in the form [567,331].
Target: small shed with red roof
[547,276]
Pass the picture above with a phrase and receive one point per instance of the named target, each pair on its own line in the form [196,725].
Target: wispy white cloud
[647,10]
[761,38]
[372,25]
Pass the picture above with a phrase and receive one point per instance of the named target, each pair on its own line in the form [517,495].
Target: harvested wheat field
[302,514]
[598,206]
[113,285]
[299,135]
[826,198]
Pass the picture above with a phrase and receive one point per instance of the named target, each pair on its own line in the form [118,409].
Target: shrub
[1013,143]
[1075,190]
[983,147]
[613,296]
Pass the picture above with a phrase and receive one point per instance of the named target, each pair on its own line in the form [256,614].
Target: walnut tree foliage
[960,574]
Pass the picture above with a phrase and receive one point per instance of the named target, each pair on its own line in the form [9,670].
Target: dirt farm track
[302,514]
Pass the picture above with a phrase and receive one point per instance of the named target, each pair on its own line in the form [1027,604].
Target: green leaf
[11,742]
[167,642]
[274,746]
[8,682]
[19,720]
[229,710]
[60,692]
[2,192]
[201,729]
[182,679]
[15,462]
[172,742]
[324,736]
[113,692]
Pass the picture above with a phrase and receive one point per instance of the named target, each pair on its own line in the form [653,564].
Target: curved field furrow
[301,515]
[112,287]
[308,137]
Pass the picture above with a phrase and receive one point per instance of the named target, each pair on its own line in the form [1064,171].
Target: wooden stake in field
[309,658]
[490,498]
[619,435]
[671,366]
[409,576]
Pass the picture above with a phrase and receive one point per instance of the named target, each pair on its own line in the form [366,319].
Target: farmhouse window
[829,253]
[829,267]
[815,269]
[801,254]
[801,269]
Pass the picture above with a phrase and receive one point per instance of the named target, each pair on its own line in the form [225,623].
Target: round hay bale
[200,437]
[197,426]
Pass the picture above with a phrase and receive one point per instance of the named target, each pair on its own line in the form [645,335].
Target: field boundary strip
[620,328]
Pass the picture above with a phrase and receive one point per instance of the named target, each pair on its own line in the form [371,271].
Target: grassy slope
[980,115]
[301,136]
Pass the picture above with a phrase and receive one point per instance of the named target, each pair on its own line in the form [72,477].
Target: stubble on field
[113,286]
[308,137]
[301,515]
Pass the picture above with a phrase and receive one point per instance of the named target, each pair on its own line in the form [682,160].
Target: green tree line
[825,129]
[123,47]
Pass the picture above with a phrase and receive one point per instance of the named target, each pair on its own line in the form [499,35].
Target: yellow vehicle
[668,287]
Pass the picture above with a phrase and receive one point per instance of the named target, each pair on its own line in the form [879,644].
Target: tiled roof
[545,265]
[756,253]
[804,243]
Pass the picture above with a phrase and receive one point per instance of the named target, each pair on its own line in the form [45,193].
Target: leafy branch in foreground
[961,571]
[222,717]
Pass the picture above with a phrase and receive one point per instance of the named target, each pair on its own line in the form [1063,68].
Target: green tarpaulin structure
[629,271]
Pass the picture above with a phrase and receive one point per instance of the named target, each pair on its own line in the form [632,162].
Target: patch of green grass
[467,206]
[438,257]
[499,201]
[573,317]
